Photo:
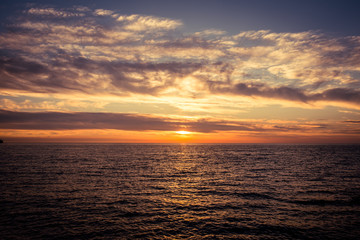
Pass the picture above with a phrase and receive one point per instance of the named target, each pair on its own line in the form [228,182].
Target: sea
[179,191]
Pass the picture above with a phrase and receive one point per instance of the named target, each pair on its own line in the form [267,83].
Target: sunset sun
[191,119]
[111,73]
[183,132]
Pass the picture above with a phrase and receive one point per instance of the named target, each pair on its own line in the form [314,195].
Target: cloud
[120,121]
[11,120]
[53,12]
[339,94]
[145,23]
[103,12]
[286,93]
[50,105]
[76,73]
[353,121]
[101,52]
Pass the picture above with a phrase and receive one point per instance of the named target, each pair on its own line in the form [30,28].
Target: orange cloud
[54,60]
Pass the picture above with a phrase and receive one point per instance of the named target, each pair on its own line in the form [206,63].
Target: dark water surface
[122,191]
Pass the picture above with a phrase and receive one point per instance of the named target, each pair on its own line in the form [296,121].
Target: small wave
[172,192]
[318,192]
[253,195]
[323,202]
[244,195]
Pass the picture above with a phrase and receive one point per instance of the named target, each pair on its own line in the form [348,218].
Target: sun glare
[182,132]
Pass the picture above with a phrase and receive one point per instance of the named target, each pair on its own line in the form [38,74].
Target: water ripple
[125,191]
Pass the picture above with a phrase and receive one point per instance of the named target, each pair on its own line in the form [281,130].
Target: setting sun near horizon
[118,72]
[183,132]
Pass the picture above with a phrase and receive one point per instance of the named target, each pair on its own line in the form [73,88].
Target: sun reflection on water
[184,191]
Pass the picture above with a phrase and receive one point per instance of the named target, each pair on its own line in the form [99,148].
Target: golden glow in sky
[78,74]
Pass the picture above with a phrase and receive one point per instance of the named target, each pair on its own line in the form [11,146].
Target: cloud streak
[55,121]
[288,93]
[147,23]
[119,121]
[51,12]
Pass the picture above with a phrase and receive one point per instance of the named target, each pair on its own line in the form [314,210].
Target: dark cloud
[339,94]
[16,73]
[261,90]
[21,66]
[121,121]
[287,93]
[66,73]
[353,121]
[61,121]
[21,74]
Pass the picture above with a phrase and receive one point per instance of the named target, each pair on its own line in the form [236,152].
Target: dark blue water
[124,191]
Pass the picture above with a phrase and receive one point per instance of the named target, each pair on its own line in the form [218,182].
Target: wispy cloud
[147,23]
[51,12]
[103,12]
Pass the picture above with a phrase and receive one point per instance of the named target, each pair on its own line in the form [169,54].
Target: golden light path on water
[179,191]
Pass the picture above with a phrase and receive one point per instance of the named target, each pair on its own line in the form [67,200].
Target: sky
[180,71]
